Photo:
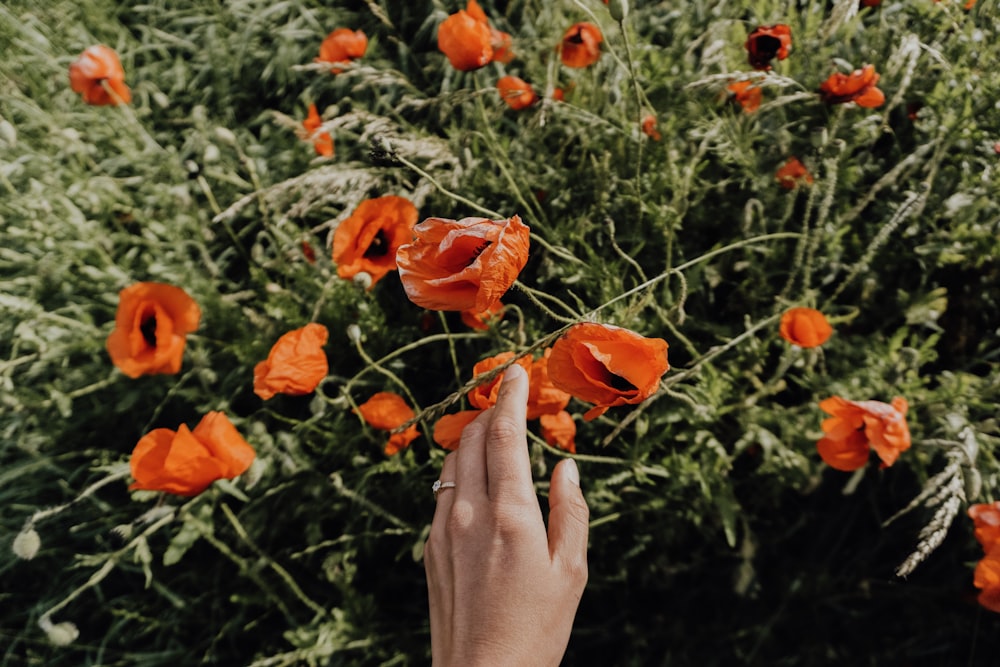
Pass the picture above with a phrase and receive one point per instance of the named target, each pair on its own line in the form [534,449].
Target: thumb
[569,517]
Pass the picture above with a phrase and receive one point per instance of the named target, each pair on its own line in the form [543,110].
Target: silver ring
[440,486]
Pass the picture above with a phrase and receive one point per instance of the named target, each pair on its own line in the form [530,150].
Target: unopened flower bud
[354,333]
[618,9]
[60,634]
[225,135]
[211,153]
[26,544]
[363,279]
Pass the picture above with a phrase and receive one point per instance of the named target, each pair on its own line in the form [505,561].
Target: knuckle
[461,519]
[577,572]
[504,429]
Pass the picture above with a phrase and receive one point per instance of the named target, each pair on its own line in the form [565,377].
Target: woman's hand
[502,591]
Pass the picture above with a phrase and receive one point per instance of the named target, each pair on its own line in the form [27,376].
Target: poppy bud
[618,9]
[362,279]
[60,634]
[225,135]
[211,154]
[354,333]
[26,544]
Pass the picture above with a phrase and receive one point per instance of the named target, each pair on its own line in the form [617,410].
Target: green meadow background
[718,535]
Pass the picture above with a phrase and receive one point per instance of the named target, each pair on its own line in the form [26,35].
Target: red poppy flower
[987,578]
[871,3]
[485,395]
[342,46]
[516,92]
[746,95]
[767,43]
[856,427]
[499,40]
[858,87]
[581,45]
[150,328]
[986,519]
[649,128]
[559,430]
[481,321]
[307,252]
[368,240]
[296,364]
[186,462]
[805,327]
[322,141]
[544,398]
[465,41]
[792,173]
[96,66]
[607,365]
[463,264]
[448,429]
[387,411]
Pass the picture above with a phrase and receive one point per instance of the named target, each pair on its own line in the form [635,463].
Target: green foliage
[718,535]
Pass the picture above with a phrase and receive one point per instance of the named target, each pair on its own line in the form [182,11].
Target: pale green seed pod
[618,9]
[26,544]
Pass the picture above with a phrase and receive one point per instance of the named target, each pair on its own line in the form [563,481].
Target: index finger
[508,467]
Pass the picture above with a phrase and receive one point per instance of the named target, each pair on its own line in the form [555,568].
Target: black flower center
[148,330]
[618,383]
[479,251]
[767,46]
[379,246]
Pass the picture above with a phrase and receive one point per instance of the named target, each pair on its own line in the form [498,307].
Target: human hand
[502,591]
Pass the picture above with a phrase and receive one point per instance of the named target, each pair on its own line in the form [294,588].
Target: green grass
[719,537]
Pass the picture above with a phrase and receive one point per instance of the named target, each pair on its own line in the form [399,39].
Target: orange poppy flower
[856,427]
[499,40]
[607,365]
[516,92]
[96,66]
[986,518]
[368,240]
[987,578]
[485,395]
[466,264]
[481,321]
[387,411]
[581,45]
[792,173]
[186,462]
[559,430]
[544,398]
[296,364]
[322,142]
[649,128]
[858,87]
[465,41]
[746,95]
[766,43]
[150,331]
[805,327]
[342,46]
[448,429]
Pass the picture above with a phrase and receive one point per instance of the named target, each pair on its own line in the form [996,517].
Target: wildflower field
[261,260]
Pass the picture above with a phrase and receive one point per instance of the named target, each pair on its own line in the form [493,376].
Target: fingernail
[572,472]
[512,372]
